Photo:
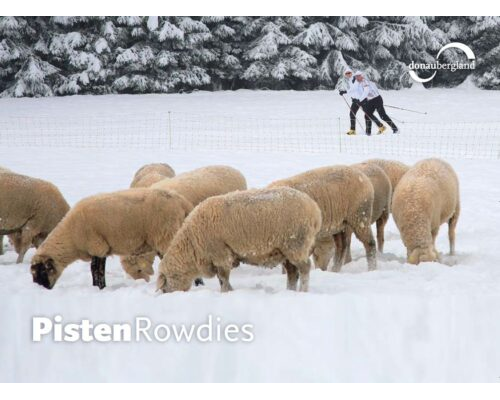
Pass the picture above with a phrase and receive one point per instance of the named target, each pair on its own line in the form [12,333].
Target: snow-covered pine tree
[82,48]
[226,46]
[271,58]
[22,70]
[333,42]
[163,55]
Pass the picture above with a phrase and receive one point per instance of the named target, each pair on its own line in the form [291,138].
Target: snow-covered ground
[432,322]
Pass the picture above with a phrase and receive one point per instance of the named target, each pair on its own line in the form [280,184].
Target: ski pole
[405,109]
[357,120]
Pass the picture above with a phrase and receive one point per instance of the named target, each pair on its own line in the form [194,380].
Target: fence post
[340,136]
[169,130]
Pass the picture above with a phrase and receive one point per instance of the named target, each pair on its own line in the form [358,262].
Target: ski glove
[342,92]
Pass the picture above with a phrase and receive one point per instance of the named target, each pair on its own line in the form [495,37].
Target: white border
[252,391]
[253,7]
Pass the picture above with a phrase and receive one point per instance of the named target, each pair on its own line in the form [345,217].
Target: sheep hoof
[199,282]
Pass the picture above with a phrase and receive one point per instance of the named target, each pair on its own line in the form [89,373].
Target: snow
[400,323]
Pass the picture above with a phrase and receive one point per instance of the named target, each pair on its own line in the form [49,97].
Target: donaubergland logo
[439,65]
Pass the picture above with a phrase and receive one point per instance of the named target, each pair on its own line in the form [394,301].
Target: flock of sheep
[205,222]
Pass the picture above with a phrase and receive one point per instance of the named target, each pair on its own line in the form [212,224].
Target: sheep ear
[161,283]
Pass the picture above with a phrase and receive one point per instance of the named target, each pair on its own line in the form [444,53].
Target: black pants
[354,109]
[376,104]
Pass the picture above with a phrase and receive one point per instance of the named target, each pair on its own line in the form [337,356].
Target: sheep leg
[304,268]
[1,245]
[340,250]
[223,275]
[292,275]
[22,242]
[452,224]
[365,236]
[348,237]
[98,267]
[380,230]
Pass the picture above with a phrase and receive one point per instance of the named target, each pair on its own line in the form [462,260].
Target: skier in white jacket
[371,101]
[350,87]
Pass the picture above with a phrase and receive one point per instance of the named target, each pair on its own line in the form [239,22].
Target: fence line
[191,131]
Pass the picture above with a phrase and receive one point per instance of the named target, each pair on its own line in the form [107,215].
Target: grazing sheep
[426,197]
[394,169]
[345,197]
[29,209]
[133,221]
[260,227]
[381,202]
[195,186]
[151,173]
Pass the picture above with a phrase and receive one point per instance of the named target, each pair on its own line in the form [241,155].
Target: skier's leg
[352,114]
[368,123]
[368,109]
[381,111]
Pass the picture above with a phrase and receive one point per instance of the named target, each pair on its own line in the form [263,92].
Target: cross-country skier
[371,101]
[350,88]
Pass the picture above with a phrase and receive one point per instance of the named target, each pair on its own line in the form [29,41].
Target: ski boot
[381,129]
[351,132]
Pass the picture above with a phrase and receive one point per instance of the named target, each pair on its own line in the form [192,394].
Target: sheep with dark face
[134,221]
[426,197]
[30,209]
[263,227]
[345,197]
[195,186]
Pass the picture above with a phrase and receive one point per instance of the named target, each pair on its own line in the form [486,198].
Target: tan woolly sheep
[345,197]
[426,197]
[133,221]
[394,169]
[381,202]
[260,227]
[151,173]
[30,209]
[195,186]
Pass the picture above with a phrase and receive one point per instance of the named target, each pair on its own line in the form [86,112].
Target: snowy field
[401,323]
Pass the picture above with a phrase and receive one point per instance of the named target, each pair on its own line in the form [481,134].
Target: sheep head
[423,254]
[173,283]
[44,272]
[138,267]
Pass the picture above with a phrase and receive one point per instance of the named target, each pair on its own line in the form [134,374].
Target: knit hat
[357,73]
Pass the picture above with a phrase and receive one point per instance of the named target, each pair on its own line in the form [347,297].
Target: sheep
[30,209]
[151,173]
[263,227]
[195,186]
[426,197]
[394,169]
[381,202]
[132,221]
[345,197]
